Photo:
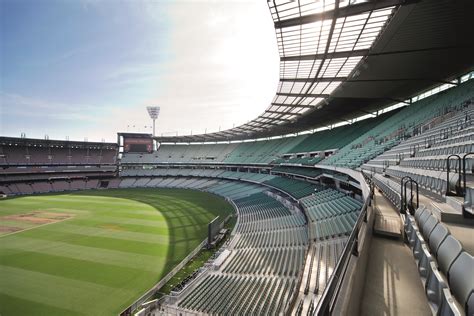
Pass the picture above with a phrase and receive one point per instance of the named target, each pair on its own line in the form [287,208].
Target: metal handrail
[464,171]
[448,169]
[402,196]
[327,301]
[411,181]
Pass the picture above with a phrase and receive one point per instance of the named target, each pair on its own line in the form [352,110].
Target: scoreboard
[137,145]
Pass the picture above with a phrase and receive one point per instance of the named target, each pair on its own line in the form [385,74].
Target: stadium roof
[341,59]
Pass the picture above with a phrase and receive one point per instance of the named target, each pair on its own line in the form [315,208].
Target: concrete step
[387,225]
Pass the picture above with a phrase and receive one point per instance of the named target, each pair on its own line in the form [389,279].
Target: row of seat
[293,237]
[431,180]
[435,135]
[302,171]
[390,188]
[404,123]
[272,261]
[438,163]
[445,268]
[415,151]
[223,294]
[283,222]
[304,161]
[340,225]
[337,206]
[296,188]
[322,260]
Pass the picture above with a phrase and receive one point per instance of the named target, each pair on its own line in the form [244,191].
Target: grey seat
[461,280]
[448,251]
[419,211]
[419,241]
[448,306]
[423,218]
[469,200]
[425,259]
[428,227]
[437,236]
[435,283]
[414,231]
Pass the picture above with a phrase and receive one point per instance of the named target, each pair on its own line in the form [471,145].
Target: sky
[87,69]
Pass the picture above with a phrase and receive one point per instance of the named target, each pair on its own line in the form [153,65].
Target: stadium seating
[260,151]
[331,213]
[442,263]
[337,137]
[403,124]
[267,254]
[300,171]
[295,188]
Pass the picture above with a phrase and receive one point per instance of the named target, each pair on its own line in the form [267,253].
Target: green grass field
[117,245]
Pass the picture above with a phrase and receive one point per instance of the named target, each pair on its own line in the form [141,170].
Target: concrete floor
[463,233]
[392,284]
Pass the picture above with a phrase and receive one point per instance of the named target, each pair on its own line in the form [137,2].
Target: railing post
[464,171]
[448,168]
[402,196]
[411,181]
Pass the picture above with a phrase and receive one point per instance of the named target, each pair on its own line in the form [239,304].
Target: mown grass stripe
[121,220]
[160,227]
[111,231]
[145,248]
[12,305]
[113,257]
[59,292]
[76,269]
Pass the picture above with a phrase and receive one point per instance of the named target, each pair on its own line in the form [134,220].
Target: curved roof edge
[346,60]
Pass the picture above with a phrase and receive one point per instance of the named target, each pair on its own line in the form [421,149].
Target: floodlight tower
[153,111]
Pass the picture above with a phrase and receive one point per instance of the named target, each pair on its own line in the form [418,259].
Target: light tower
[153,111]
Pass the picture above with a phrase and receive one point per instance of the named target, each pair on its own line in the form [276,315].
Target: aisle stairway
[392,285]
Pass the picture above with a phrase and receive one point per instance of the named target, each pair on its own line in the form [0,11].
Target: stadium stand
[401,125]
[280,150]
[314,209]
[442,264]
[41,166]
[266,230]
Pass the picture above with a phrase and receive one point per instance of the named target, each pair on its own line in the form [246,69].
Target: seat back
[423,218]
[448,251]
[437,236]
[418,212]
[461,280]
[428,227]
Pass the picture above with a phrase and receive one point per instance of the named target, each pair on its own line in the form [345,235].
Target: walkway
[392,284]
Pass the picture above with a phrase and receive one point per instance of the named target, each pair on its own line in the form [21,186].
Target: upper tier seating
[29,155]
[262,152]
[258,152]
[404,123]
[305,161]
[301,171]
[452,133]
[297,189]
[337,137]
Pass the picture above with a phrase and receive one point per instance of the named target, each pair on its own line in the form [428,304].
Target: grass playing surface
[114,246]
